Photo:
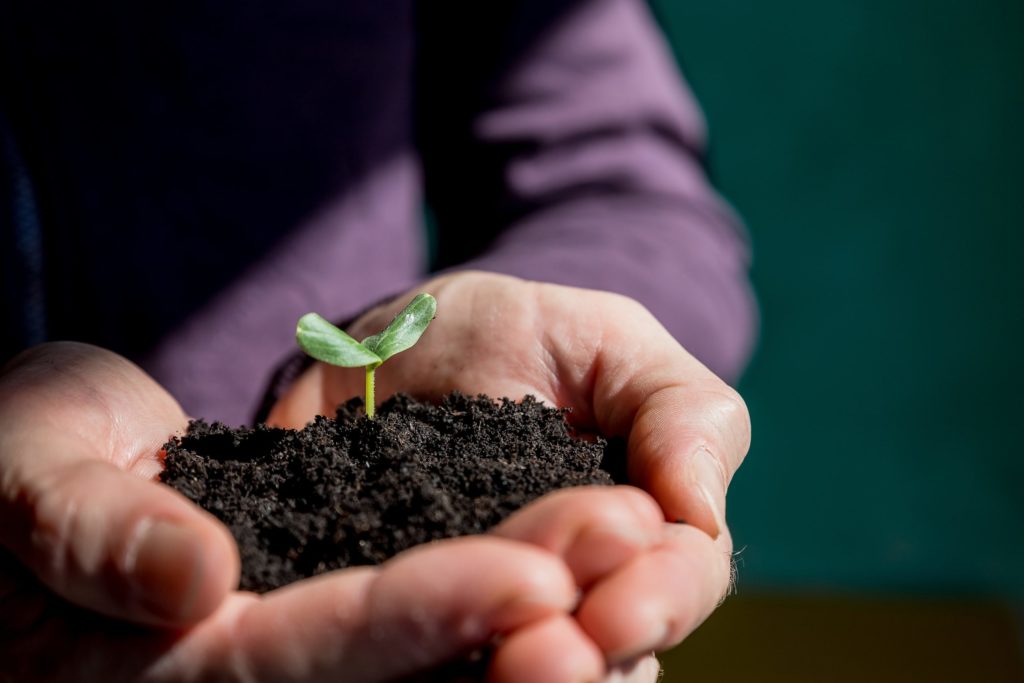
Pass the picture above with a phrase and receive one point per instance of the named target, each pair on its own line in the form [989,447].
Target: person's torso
[170,146]
[177,151]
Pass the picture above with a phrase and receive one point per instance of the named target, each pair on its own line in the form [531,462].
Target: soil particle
[351,491]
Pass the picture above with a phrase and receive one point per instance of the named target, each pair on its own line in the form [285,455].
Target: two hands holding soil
[106,574]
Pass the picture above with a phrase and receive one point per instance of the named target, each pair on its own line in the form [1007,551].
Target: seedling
[325,342]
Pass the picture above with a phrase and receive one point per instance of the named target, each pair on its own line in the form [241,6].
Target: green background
[876,152]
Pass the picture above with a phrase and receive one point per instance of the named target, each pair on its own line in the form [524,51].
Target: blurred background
[876,151]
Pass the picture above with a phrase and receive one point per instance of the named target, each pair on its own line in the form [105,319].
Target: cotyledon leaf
[405,330]
[325,342]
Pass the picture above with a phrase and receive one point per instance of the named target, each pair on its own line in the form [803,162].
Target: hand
[622,374]
[108,575]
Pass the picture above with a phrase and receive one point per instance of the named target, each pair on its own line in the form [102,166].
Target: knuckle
[639,504]
[708,561]
[598,507]
[729,419]
[62,518]
[230,636]
[614,511]
[626,306]
[55,508]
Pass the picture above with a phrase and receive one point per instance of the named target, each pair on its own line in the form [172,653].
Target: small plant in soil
[347,490]
[327,343]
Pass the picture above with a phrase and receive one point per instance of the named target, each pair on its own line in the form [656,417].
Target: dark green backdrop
[876,151]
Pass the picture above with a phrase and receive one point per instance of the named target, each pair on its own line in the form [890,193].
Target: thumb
[686,442]
[687,430]
[109,541]
[74,420]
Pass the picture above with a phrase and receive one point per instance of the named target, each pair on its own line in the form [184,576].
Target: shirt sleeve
[559,143]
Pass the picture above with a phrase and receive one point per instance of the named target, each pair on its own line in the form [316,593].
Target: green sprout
[325,342]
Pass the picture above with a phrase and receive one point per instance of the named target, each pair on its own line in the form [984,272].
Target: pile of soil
[352,491]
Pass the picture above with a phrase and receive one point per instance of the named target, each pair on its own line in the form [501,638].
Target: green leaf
[325,342]
[405,329]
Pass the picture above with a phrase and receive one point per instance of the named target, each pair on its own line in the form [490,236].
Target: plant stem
[369,392]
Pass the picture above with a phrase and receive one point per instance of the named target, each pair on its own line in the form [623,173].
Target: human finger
[363,625]
[593,529]
[659,598]
[75,420]
[553,650]
[687,430]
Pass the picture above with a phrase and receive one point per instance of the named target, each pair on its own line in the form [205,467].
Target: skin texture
[129,581]
[646,582]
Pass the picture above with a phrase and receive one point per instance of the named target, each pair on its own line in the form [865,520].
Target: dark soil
[352,491]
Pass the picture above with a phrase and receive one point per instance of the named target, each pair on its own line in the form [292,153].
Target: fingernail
[163,564]
[710,482]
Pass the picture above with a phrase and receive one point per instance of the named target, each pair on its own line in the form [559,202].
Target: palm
[50,405]
[620,372]
[492,335]
[79,428]
[80,431]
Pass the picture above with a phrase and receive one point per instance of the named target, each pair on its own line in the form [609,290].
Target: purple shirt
[206,172]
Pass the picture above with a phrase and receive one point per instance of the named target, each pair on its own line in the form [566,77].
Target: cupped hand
[108,575]
[605,357]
